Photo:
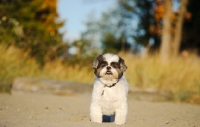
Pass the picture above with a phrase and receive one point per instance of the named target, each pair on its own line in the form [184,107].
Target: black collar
[111,85]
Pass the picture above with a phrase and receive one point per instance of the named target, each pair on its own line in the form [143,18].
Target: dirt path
[46,110]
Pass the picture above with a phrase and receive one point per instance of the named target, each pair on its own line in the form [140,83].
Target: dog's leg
[120,114]
[95,113]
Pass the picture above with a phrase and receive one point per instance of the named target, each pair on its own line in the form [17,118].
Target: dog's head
[109,66]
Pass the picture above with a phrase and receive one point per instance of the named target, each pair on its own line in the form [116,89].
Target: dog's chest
[109,100]
[109,95]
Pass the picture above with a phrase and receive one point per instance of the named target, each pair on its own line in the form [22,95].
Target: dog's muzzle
[108,72]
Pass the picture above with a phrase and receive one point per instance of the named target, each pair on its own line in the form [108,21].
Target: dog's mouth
[108,73]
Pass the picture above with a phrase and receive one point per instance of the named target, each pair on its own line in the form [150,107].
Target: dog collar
[111,85]
[108,87]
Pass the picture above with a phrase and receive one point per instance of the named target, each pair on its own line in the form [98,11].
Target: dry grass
[14,63]
[180,76]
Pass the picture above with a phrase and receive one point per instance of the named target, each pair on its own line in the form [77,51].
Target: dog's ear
[95,64]
[123,66]
[96,61]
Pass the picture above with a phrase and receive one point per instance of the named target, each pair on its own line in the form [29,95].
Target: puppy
[109,96]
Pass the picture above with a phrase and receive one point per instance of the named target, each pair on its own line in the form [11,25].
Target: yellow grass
[180,76]
[15,63]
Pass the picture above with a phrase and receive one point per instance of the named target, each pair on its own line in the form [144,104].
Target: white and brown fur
[109,96]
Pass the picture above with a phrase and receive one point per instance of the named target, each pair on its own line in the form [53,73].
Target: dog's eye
[103,65]
[115,65]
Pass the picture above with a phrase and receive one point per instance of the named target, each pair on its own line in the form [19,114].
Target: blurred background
[59,39]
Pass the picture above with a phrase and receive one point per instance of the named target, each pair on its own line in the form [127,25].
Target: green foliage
[113,44]
[112,30]
[144,13]
[82,53]
[31,26]
[121,20]
[119,25]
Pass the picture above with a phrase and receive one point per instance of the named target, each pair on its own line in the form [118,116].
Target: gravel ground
[48,110]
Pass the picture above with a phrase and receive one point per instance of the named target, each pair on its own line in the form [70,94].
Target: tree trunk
[166,33]
[178,28]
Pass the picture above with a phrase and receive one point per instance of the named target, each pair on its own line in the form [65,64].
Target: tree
[156,21]
[31,26]
[143,12]
[191,27]
[172,30]
[112,30]
[177,38]
[166,32]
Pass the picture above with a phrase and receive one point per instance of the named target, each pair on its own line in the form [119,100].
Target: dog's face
[109,66]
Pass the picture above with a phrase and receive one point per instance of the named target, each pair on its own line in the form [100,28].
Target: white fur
[109,101]
[109,79]
[111,57]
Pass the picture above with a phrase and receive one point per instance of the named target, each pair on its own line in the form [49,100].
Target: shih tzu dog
[109,96]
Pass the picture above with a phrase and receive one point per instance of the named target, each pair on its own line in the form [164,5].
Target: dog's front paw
[95,113]
[120,122]
[120,117]
[96,120]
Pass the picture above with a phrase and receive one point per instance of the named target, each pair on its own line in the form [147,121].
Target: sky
[76,12]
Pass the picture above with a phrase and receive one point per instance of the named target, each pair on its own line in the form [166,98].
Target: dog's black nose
[108,67]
